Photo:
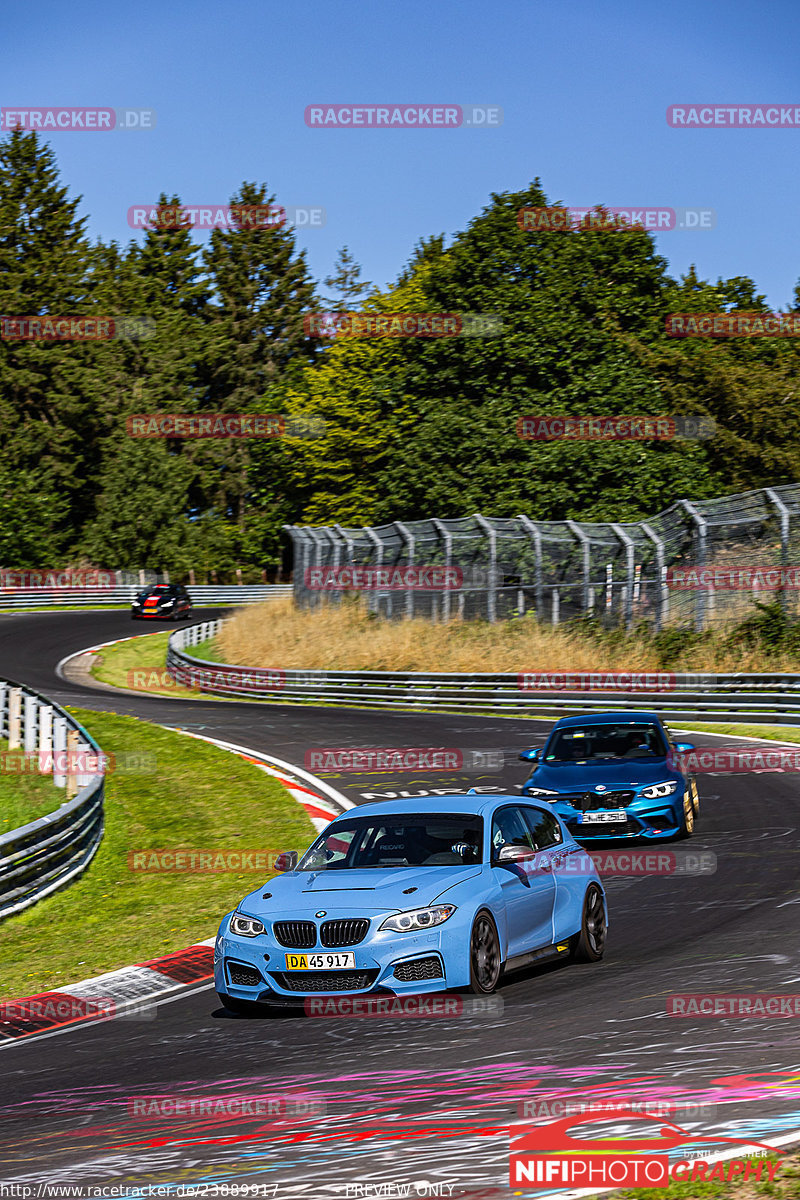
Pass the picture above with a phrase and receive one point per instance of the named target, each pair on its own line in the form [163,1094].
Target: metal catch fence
[699,563]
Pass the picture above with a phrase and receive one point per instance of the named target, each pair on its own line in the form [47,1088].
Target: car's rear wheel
[590,943]
[485,959]
[687,822]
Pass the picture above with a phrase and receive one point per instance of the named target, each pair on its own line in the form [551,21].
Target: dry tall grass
[342,637]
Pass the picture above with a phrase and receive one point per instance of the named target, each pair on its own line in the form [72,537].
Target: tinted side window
[509,828]
[545,829]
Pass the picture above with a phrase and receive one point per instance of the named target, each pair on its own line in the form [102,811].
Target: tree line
[405,427]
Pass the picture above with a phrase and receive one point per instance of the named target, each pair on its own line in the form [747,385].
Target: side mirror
[287,861]
[531,755]
[683,747]
[514,854]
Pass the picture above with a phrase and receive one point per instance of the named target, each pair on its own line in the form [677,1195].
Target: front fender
[470,899]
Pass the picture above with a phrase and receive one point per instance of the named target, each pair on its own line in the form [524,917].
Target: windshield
[413,840]
[594,743]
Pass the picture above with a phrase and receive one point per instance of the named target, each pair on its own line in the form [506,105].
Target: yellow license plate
[320,962]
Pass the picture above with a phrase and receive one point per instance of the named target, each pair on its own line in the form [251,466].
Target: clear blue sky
[583,86]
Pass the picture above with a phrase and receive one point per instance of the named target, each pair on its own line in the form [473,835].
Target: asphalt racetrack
[423,1103]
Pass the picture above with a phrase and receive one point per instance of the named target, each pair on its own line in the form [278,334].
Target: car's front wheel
[589,944]
[687,821]
[485,959]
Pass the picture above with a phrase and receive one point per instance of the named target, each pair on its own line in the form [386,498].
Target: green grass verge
[140,664]
[778,733]
[24,794]
[197,797]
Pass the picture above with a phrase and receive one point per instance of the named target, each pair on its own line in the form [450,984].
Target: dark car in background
[613,775]
[164,601]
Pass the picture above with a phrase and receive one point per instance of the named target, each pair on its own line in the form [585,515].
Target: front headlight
[419,918]
[167,603]
[657,790]
[136,604]
[246,926]
[534,791]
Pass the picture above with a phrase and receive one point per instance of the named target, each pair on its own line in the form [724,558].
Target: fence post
[662,591]
[556,605]
[373,598]
[317,543]
[630,551]
[491,597]
[59,748]
[72,750]
[783,511]
[533,531]
[29,730]
[700,525]
[586,547]
[46,732]
[447,539]
[408,538]
[14,720]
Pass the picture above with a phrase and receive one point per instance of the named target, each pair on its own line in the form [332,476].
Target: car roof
[603,718]
[459,803]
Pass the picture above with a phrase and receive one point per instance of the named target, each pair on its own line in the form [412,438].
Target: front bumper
[386,963]
[643,822]
[634,828]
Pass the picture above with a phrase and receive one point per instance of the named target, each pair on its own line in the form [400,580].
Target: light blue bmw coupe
[414,896]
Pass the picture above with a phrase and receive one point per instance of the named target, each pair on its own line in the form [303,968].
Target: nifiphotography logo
[543,1156]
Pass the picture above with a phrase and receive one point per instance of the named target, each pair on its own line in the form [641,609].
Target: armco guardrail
[202,594]
[756,698]
[42,856]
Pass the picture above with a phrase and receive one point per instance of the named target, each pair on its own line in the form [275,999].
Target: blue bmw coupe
[615,776]
[414,896]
